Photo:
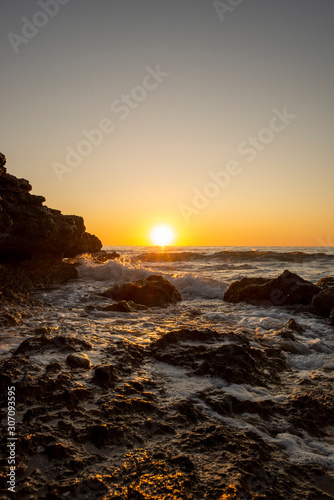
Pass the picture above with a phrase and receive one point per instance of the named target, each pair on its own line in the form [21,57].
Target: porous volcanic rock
[286,289]
[154,291]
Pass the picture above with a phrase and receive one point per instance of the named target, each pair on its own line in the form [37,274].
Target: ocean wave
[118,270]
[171,256]
[191,286]
[296,256]
[235,256]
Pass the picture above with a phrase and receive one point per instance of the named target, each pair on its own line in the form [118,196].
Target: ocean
[201,275]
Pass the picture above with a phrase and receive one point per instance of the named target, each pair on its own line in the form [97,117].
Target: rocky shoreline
[114,431]
[34,240]
[193,414]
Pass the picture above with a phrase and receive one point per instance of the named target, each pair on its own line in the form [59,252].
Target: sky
[214,117]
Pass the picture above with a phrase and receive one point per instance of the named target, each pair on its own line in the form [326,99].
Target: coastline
[154,375]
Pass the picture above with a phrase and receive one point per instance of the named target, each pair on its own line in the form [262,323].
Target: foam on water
[118,270]
[202,280]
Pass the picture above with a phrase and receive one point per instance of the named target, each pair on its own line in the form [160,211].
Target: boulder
[154,291]
[78,360]
[323,302]
[286,289]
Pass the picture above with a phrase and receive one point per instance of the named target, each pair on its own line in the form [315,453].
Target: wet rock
[287,332]
[326,282]
[54,367]
[331,317]
[186,335]
[123,306]
[57,451]
[154,291]
[127,355]
[104,256]
[235,362]
[183,462]
[105,376]
[311,412]
[78,360]
[59,342]
[103,435]
[323,302]
[10,319]
[286,289]
[87,243]
[294,326]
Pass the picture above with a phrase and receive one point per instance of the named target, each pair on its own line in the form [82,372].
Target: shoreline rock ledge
[34,239]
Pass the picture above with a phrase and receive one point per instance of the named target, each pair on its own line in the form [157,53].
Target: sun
[162,235]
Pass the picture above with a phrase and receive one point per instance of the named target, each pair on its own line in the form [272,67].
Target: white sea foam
[112,270]
[190,285]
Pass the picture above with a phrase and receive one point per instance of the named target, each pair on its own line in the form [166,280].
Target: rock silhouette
[154,291]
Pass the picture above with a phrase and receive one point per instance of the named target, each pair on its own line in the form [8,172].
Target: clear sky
[216,117]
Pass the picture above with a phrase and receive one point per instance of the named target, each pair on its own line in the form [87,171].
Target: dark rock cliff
[34,239]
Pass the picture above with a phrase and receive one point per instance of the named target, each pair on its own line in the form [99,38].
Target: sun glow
[162,235]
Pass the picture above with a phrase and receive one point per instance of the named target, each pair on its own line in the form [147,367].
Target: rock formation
[154,291]
[34,239]
[323,302]
[29,229]
[286,289]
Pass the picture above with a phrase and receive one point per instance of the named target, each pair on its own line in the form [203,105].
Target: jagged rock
[331,317]
[103,256]
[105,376]
[34,240]
[78,360]
[29,229]
[123,306]
[286,289]
[154,291]
[323,303]
[88,243]
[294,326]
[234,360]
[326,281]
[2,164]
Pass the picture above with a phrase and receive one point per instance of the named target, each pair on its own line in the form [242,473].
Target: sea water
[201,275]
